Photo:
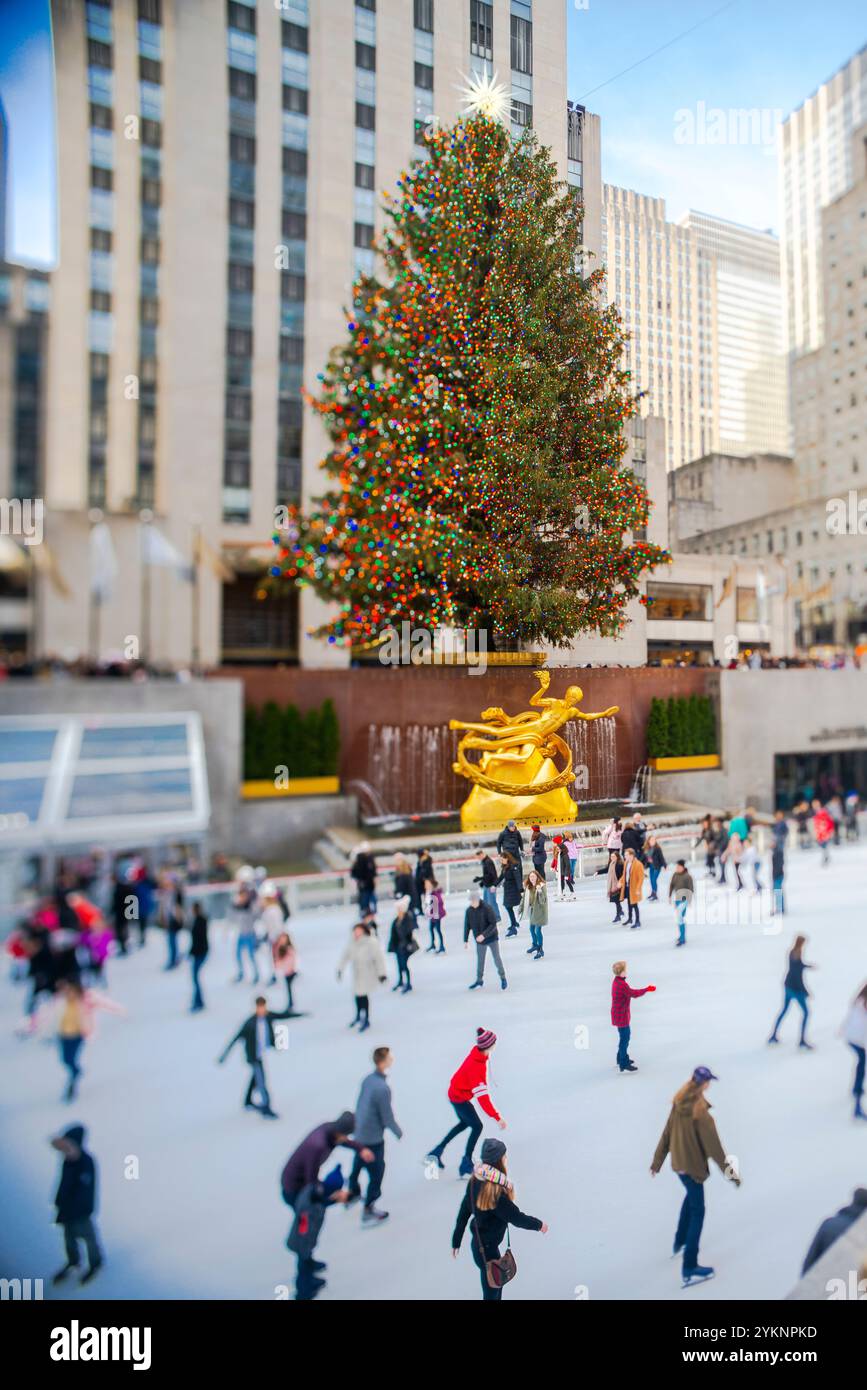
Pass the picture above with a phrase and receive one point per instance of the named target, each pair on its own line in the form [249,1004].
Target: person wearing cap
[303,1190]
[511,841]
[681,891]
[470,1083]
[690,1138]
[836,1226]
[402,943]
[488,1205]
[622,995]
[481,924]
[364,872]
[257,1035]
[75,1201]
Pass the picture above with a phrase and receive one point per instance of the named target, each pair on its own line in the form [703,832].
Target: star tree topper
[485,96]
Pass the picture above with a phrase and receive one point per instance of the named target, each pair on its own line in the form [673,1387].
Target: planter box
[698,762]
[296,786]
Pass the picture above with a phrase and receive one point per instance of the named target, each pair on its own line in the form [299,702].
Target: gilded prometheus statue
[516,776]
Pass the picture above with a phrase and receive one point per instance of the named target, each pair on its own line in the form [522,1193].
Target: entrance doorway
[800,775]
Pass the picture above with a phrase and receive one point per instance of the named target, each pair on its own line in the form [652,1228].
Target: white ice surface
[205,1219]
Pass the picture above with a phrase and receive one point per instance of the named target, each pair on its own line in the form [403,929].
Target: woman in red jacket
[622,995]
[470,1083]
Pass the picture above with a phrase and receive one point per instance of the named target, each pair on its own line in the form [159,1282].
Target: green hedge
[681,726]
[307,744]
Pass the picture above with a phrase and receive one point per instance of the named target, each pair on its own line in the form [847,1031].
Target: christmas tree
[475,413]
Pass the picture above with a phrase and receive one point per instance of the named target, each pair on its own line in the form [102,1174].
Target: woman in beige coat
[366,960]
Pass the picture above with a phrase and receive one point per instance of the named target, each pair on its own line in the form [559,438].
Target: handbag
[499,1271]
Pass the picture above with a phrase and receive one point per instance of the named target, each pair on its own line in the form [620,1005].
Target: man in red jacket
[621,1013]
[469,1083]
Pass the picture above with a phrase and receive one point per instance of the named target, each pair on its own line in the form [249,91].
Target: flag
[727,588]
[205,554]
[103,562]
[46,562]
[157,550]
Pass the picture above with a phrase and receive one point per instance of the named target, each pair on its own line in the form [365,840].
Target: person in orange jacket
[632,886]
[470,1083]
[823,829]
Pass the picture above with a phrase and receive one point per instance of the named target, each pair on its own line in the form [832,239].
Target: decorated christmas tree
[476,413]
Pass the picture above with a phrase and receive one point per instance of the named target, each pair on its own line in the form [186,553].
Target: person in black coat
[632,837]
[795,991]
[75,1201]
[424,870]
[489,1207]
[198,954]
[121,895]
[835,1227]
[480,922]
[257,1035]
[364,872]
[402,943]
[511,841]
[513,888]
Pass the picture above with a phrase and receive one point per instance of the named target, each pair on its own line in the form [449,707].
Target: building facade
[220,171]
[815,167]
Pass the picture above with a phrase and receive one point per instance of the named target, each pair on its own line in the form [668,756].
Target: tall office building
[663,285]
[751,388]
[220,169]
[815,168]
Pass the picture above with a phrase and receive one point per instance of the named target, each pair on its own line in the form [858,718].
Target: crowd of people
[63,946]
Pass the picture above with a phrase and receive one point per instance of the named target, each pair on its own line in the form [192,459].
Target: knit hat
[492,1151]
[485,1039]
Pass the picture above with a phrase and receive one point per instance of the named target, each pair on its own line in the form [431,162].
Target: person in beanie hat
[489,1206]
[308,1195]
[621,1012]
[690,1137]
[75,1201]
[470,1083]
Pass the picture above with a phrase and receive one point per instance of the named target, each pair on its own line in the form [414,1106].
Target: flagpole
[145,518]
[94,516]
[195,597]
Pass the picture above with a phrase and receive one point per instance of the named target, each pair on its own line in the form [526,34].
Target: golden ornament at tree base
[516,777]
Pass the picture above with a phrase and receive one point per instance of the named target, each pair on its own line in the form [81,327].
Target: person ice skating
[573,849]
[435,911]
[614,883]
[402,943]
[366,960]
[470,1083]
[534,906]
[656,862]
[487,878]
[852,805]
[76,1022]
[511,841]
[801,813]
[632,887]
[373,1116]
[778,865]
[538,850]
[633,836]
[795,991]
[855,1033]
[404,881]
[823,830]
[733,854]
[244,907]
[690,1138]
[834,1227]
[285,962]
[622,995]
[122,900]
[722,844]
[681,891]
[364,872]
[257,1035]
[488,1204]
[561,865]
[309,1196]
[612,835]
[75,1202]
[174,922]
[481,924]
[198,954]
[269,921]
[510,878]
[424,871]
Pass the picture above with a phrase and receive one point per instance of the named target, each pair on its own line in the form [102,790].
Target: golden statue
[516,777]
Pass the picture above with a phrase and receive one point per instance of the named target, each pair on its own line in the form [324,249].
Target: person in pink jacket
[285,962]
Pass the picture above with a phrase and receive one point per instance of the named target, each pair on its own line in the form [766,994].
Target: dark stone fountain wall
[394,720]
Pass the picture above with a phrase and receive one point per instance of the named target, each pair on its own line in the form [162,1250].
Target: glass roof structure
[76,780]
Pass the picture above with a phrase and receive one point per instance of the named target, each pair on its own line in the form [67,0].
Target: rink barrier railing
[332,888]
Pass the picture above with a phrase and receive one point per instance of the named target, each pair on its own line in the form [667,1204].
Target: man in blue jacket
[373,1116]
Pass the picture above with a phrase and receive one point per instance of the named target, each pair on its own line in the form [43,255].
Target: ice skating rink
[203,1218]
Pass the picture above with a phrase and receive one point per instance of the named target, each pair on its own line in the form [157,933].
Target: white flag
[103,562]
[157,550]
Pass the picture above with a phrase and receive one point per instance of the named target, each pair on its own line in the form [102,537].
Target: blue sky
[767,55]
[26,91]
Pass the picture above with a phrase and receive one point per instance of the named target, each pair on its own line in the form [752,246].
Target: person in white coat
[855,1033]
[270,922]
[366,960]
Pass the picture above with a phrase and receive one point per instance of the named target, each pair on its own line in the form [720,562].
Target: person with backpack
[402,943]
[690,1138]
[469,1083]
[534,906]
[435,911]
[795,991]
[488,1206]
[622,995]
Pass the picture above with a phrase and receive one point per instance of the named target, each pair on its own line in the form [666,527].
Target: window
[295,162]
[242,149]
[100,301]
[150,250]
[747,606]
[150,10]
[365,176]
[151,133]
[365,4]
[424,76]
[365,57]
[239,405]
[294,99]
[423,15]
[99,240]
[522,44]
[295,225]
[522,114]
[99,55]
[363,235]
[242,84]
[242,213]
[482,29]
[291,349]
[102,117]
[365,116]
[295,37]
[239,342]
[151,192]
[679,602]
[149,70]
[291,286]
[101,178]
[241,17]
[149,310]
[240,277]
